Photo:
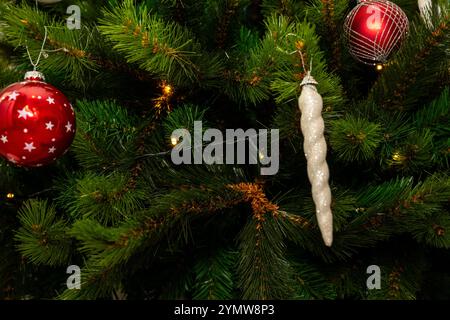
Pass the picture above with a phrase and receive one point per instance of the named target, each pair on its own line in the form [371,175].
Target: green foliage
[414,153]
[137,224]
[286,86]
[108,246]
[287,8]
[436,118]
[385,195]
[162,48]
[105,136]
[401,277]
[314,11]
[42,237]
[214,276]
[310,284]
[264,273]
[427,218]
[8,75]
[183,118]
[355,139]
[26,26]
[96,282]
[417,69]
[107,199]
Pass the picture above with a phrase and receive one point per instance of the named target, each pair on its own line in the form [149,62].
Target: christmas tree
[141,226]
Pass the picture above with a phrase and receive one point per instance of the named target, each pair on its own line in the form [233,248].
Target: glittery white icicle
[310,103]
[426,8]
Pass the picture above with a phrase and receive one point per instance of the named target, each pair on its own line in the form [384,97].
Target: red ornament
[37,122]
[374,30]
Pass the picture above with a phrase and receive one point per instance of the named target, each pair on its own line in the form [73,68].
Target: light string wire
[162,153]
[229,142]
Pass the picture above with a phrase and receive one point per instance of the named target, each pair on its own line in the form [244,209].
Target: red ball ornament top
[34,76]
[374,29]
[37,122]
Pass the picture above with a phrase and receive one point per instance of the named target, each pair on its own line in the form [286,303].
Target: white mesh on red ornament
[372,50]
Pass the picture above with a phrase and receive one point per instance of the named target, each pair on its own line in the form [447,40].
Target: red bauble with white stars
[375,29]
[37,122]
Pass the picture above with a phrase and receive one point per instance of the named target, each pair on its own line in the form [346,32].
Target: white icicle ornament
[315,147]
[426,11]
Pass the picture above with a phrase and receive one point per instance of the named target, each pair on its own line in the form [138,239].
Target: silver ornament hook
[35,64]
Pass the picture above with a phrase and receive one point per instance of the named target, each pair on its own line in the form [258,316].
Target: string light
[168,90]
[10,195]
[397,156]
[163,102]
[261,156]
[379,66]
[174,141]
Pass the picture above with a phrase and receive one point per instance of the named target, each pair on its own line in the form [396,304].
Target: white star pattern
[52,150]
[13,96]
[68,127]
[4,139]
[50,100]
[24,113]
[29,146]
[49,125]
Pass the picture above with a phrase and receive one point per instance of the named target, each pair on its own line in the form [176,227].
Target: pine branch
[105,137]
[164,49]
[231,7]
[263,271]
[80,52]
[96,282]
[355,139]
[42,237]
[436,117]
[287,8]
[400,277]
[310,284]
[214,276]
[290,70]
[416,69]
[328,13]
[270,68]
[104,198]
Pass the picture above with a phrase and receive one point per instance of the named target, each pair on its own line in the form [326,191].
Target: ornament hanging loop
[308,78]
[35,64]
